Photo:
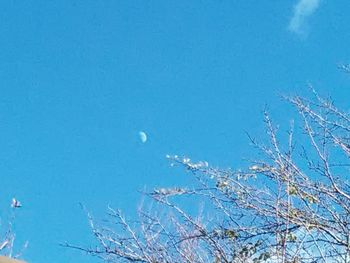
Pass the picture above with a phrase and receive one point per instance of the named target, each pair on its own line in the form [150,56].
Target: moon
[143,136]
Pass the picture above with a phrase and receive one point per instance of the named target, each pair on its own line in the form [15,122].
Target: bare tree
[8,236]
[290,205]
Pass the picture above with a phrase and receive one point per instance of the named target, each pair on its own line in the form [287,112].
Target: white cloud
[302,10]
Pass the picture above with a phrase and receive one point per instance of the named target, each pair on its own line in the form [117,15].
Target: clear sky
[80,79]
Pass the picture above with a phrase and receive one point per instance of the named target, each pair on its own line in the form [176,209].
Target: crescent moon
[143,136]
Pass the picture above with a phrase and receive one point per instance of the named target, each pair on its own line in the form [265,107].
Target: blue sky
[80,79]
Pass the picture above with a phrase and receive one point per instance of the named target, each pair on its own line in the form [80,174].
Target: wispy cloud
[302,10]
